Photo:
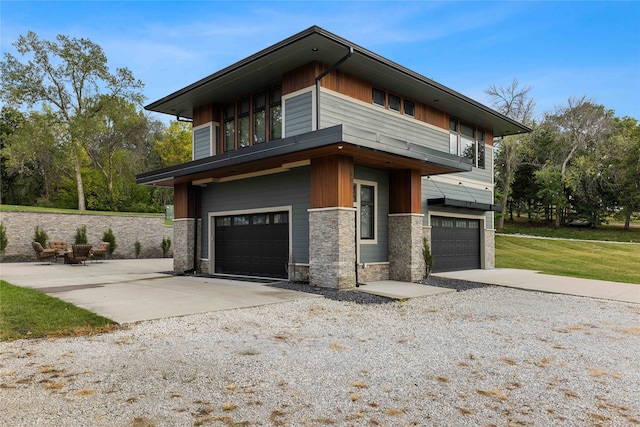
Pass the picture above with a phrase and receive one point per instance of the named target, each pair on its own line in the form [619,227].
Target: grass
[38,209]
[611,233]
[26,313]
[589,260]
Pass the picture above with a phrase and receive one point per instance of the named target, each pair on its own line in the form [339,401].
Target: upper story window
[467,141]
[379,98]
[393,102]
[253,119]
[275,116]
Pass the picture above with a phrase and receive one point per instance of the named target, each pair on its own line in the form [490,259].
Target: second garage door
[455,243]
[252,244]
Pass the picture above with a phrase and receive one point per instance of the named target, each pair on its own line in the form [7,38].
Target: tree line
[580,164]
[74,135]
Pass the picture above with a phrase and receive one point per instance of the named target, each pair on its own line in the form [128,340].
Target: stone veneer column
[183,244]
[332,256]
[489,249]
[405,247]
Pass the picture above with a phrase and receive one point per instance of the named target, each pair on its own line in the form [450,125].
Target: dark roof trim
[465,204]
[155,106]
[307,141]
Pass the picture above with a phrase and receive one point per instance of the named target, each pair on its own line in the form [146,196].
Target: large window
[467,141]
[275,113]
[253,119]
[365,202]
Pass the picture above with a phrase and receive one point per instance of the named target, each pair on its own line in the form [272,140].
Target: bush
[4,241]
[165,245]
[138,247]
[81,235]
[40,236]
[428,258]
[108,236]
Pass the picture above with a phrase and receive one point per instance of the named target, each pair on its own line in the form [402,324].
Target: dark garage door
[455,243]
[252,244]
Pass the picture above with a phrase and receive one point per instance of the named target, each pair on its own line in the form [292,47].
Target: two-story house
[316,159]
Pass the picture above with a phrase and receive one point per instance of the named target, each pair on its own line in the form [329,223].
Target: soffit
[316,44]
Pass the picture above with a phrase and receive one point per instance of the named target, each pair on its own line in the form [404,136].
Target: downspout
[321,76]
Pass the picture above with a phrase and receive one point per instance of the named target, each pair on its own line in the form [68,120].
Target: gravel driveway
[485,356]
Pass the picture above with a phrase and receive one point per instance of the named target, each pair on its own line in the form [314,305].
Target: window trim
[477,131]
[357,204]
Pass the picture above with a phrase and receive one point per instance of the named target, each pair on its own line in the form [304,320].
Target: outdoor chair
[79,254]
[43,253]
[60,247]
[100,252]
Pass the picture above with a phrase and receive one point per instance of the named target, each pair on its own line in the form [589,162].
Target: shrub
[40,236]
[81,235]
[428,258]
[108,236]
[138,247]
[165,245]
[4,241]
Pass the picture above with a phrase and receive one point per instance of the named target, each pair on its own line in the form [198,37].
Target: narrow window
[229,127]
[394,103]
[259,118]
[367,212]
[409,108]
[275,113]
[468,142]
[453,136]
[481,149]
[379,97]
[243,123]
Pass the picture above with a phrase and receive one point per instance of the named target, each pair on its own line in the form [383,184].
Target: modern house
[316,159]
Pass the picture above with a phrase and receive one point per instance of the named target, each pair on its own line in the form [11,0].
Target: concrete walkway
[535,281]
[128,291]
[401,290]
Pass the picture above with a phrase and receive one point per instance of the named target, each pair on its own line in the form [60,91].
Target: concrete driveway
[127,291]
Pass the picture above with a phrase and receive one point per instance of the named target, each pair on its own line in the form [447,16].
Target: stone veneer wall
[332,248]
[373,272]
[405,247]
[489,249]
[148,230]
[183,251]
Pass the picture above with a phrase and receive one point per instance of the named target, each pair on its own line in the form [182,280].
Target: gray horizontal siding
[485,174]
[380,251]
[201,143]
[335,110]
[281,189]
[298,114]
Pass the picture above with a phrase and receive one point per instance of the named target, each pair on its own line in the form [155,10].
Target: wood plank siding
[405,191]
[332,182]
[205,114]
[186,201]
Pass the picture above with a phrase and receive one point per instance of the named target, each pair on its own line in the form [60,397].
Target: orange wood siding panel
[488,137]
[348,85]
[405,191]
[332,182]
[205,114]
[186,201]
[301,77]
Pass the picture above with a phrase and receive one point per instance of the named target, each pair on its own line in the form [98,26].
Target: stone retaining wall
[148,230]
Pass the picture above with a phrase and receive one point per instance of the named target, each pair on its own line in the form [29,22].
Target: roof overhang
[367,149]
[317,44]
[464,204]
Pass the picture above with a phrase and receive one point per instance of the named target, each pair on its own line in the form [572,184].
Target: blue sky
[562,49]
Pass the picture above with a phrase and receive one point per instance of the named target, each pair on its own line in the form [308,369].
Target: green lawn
[590,260]
[26,313]
[611,233]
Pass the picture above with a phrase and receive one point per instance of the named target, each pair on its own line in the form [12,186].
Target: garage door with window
[255,244]
[455,243]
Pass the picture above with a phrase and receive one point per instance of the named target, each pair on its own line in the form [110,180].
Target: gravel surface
[483,356]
